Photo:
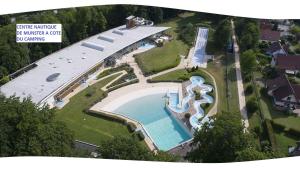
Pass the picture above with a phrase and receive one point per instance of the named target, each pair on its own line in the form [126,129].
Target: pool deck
[125,94]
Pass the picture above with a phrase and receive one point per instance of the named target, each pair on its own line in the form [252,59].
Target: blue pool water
[163,128]
[147,46]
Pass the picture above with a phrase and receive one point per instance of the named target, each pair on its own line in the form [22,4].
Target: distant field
[89,128]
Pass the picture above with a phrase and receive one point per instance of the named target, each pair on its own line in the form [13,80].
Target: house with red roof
[284,93]
[290,64]
[266,32]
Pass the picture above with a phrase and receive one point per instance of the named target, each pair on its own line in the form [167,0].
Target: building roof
[269,35]
[275,46]
[275,83]
[282,88]
[265,24]
[290,62]
[71,62]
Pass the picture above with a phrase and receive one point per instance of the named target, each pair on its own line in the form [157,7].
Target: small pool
[147,46]
[163,128]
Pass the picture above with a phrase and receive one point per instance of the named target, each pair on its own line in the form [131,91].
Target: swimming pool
[151,112]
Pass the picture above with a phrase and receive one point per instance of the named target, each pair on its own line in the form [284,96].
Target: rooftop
[290,62]
[269,35]
[282,88]
[64,66]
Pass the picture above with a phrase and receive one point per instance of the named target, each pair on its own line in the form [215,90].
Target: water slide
[183,106]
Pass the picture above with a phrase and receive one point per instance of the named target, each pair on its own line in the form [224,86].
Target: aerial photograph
[147,83]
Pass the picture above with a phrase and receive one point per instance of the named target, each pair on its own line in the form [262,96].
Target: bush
[257,130]
[122,85]
[140,135]
[251,106]
[249,90]
[187,115]
[294,132]
[277,126]
[131,127]
[271,135]
[247,78]
[4,80]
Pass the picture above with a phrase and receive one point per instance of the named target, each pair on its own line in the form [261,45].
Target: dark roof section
[265,24]
[296,89]
[291,62]
[282,92]
[282,88]
[269,35]
[275,46]
[278,82]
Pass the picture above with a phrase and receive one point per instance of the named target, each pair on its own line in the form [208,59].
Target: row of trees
[247,31]
[78,23]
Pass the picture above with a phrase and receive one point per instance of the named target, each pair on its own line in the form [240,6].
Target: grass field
[89,128]
[222,68]
[182,75]
[168,56]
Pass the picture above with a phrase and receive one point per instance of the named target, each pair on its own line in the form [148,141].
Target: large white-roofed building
[53,77]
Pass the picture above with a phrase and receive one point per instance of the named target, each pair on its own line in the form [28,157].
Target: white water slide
[200,58]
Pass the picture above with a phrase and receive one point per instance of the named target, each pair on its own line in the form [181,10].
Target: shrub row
[140,135]
[122,85]
[107,72]
[158,81]
[270,132]
[131,127]
[107,116]
[277,126]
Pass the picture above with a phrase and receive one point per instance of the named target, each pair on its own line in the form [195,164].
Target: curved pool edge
[148,140]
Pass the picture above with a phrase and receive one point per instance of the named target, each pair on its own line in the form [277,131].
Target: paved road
[241,94]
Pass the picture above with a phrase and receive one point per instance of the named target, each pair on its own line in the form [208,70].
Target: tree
[252,106]
[248,61]
[156,14]
[128,148]
[187,33]
[221,140]
[247,31]
[251,154]
[222,34]
[29,130]
[125,148]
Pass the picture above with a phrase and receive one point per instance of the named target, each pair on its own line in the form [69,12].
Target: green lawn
[85,127]
[226,82]
[182,75]
[161,58]
[168,56]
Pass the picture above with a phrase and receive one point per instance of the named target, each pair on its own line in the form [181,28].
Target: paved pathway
[241,94]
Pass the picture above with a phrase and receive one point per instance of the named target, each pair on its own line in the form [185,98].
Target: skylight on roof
[93,46]
[106,38]
[118,32]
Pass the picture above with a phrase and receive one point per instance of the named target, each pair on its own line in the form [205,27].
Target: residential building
[284,93]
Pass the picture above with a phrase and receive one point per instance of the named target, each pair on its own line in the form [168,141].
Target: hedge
[131,127]
[107,116]
[294,132]
[122,85]
[277,126]
[140,135]
[271,135]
